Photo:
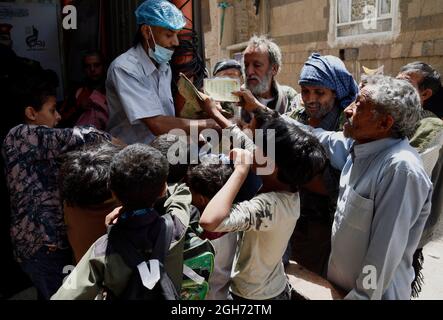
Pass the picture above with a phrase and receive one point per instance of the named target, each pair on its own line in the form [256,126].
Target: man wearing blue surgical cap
[327,88]
[138,86]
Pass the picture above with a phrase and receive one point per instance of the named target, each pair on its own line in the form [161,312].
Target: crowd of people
[353,194]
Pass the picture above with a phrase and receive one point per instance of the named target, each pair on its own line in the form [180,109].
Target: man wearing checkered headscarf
[327,88]
[330,72]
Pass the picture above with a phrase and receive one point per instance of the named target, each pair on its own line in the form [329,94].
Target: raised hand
[248,101]
[242,159]
[209,106]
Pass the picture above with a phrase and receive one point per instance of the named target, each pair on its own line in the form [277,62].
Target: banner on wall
[35,33]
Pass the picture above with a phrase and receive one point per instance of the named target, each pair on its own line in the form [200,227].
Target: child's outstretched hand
[209,106]
[242,159]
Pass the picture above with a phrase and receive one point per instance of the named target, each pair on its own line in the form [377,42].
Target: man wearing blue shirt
[385,194]
[138,86]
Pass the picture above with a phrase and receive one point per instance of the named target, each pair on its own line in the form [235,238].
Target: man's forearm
[221,120]
[164,124]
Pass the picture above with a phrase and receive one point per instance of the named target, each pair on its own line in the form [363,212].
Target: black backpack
[135,290]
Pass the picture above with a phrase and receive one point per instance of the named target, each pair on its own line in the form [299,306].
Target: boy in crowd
[268,220]
[177,147]
[30,151]
[87,199]
[204,181]
[138,177]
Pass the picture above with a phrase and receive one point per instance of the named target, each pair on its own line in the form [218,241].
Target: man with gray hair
[427,140]
[262,63]
[427,80]
[385,193]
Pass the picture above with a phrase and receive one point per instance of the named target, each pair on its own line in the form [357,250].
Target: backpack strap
[160,251]
[131,255]
[133,258]
[164,239]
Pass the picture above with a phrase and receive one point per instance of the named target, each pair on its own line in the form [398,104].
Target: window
[364,17]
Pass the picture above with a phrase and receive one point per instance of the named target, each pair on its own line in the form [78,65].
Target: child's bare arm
[248,102]
[214,112]
[220,206]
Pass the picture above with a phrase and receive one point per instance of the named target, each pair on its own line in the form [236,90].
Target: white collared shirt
[136,90]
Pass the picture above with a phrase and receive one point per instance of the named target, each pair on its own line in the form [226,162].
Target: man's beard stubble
[321,112]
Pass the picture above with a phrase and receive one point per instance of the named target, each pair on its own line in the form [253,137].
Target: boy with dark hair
[204,181]
[268,220]
[138,177]
[30,151]
[177,147]
[87,198]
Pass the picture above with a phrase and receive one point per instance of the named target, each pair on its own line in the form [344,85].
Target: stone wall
[240,23]
[301,27]
[213,50]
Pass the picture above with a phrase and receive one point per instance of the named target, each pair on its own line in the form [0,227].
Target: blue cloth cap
[330,72]
[160,13]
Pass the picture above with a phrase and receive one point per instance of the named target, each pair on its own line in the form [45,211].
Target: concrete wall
[301,27]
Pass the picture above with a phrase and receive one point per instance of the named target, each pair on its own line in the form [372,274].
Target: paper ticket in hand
[220,89]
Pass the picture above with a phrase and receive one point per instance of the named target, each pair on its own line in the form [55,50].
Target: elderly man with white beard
[262,63]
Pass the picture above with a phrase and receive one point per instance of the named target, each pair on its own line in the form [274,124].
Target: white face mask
[159,54]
